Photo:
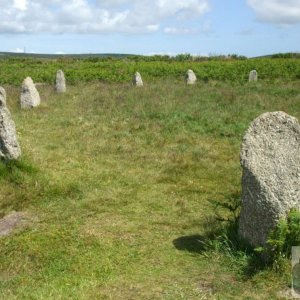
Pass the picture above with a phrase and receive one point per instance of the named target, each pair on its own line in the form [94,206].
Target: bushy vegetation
[281,240]
[111,69]
[223,236]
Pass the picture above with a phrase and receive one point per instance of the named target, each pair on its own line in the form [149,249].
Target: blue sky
[199,27]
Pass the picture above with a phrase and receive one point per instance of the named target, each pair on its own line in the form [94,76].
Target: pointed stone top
[190,77]
[29,95]
[60,83]
[28,80]
[137,79]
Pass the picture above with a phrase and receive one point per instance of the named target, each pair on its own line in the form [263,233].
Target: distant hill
[178,57]
[281,55]
[52,56]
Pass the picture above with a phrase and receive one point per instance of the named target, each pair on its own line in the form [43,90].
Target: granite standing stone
[2,94]
[9,146]
[252,76]
[270,158]
[60,83]
[190,77]
[29,95]
[137,79]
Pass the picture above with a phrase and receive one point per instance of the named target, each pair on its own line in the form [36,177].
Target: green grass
[120,181]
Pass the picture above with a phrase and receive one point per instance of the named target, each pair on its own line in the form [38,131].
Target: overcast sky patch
[83,16]
[276,11]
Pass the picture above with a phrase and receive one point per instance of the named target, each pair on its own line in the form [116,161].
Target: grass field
[119,183]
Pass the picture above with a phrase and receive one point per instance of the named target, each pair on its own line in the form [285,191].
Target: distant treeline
[133,57]
[286,55]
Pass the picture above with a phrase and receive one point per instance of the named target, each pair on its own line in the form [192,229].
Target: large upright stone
[137,79]
[9,146]
[60,83]
[270,158]
[252,76]
[190,77]
[29,95]
[3,94]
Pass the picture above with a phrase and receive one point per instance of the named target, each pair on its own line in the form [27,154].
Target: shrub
[281,239]
[278,246]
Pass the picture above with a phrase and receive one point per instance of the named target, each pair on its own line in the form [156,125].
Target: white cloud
[279,12]
[99,16]
[20,4]
[17,50]
[20,50]
[179,30]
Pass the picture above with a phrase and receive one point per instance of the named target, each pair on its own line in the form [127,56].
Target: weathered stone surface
[270,158]
[190,77]
[9,146]
[13,221]
[137,79]
[60,83]
[29,95]
[2,94]
[252,76]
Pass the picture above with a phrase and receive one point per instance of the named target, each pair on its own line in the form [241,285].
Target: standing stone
[9,146]
[190,77]
[137,79]
[270,158]
[29,95]
[60,83]
[252,76]
[3,94]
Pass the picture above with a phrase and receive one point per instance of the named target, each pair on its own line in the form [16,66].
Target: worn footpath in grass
[120,180]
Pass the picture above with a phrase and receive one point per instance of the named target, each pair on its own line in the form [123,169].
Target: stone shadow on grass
[225,240]
[221,235]
[230,245]
[191,243]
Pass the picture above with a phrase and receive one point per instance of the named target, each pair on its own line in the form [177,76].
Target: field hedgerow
[121,70]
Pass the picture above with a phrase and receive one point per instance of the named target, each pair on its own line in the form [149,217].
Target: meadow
[120,183]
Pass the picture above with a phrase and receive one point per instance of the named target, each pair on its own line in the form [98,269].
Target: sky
[199,27]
